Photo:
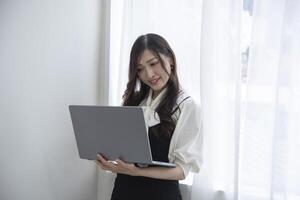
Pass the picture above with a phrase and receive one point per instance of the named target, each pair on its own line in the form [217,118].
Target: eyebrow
[151,59]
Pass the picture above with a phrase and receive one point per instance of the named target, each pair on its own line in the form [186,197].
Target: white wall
[49,58]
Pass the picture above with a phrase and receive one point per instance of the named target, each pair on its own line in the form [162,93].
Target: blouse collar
[153,103]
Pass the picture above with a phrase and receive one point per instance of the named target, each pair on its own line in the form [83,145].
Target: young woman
[172,117]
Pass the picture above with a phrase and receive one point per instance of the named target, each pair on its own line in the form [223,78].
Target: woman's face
[151,71]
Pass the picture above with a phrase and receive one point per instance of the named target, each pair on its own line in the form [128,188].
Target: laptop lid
[113,131]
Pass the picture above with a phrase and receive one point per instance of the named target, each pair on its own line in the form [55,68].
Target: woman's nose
[149,72]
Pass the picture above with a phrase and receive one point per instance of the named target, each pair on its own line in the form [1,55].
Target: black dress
[143,188]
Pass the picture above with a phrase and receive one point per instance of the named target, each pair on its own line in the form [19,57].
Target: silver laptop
[114,132]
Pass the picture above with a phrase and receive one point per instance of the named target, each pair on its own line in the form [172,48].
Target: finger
[122,163]
[100,165]
[108,165]
[105,168]
[111,169]
[99,157]
[104,161]
[113,165]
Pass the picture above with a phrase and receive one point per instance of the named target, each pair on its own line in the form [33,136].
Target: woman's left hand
[119,166]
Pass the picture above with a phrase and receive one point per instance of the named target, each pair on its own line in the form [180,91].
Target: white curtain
[220,95]
[179,22]
[251,154]
[251,141]
[169,18]
[270,138]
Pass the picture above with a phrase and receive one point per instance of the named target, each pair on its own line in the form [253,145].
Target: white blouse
[186,143]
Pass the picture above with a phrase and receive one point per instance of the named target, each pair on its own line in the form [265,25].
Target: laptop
[114,132]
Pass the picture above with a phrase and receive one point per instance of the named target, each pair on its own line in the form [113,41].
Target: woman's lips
[154,82]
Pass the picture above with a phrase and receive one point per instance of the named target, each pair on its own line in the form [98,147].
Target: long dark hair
[136,90]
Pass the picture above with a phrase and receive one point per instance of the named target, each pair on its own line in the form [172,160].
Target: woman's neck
[156,93]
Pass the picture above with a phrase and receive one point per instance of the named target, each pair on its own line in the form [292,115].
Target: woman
[173,121]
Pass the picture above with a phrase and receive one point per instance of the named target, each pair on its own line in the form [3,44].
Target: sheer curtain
[270,140]
[220,95]
[251,140]
[252,152]
[180,23]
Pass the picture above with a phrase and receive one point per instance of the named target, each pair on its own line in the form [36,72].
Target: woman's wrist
[138,171]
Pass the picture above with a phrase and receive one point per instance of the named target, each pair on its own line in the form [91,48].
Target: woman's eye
[154,63]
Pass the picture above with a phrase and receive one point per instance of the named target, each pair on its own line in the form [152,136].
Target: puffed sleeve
[187,141]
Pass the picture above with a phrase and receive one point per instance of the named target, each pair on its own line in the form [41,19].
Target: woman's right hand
[118,166]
